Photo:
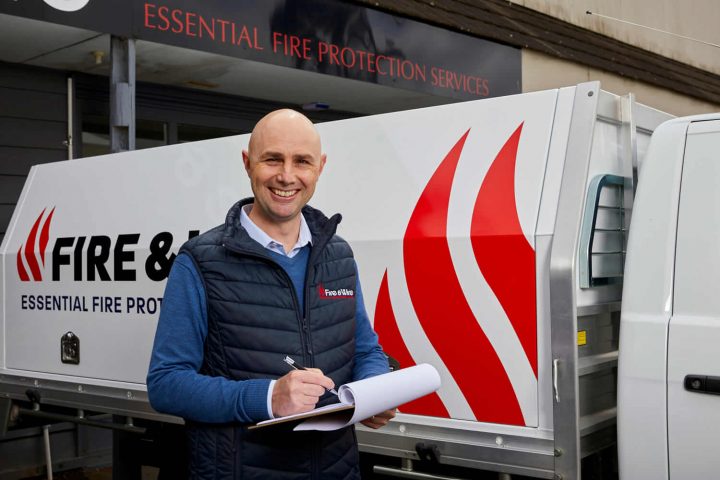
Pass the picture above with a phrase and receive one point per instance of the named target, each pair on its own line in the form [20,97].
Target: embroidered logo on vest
[339,293]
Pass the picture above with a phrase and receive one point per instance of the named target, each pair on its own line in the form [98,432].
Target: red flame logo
[507,262]
[27,251]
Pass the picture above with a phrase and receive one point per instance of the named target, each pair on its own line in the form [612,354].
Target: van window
[697,258]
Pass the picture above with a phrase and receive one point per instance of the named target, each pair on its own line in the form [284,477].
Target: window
[697,260]
[96,135]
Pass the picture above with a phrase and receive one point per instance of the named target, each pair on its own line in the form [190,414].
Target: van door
[693,381]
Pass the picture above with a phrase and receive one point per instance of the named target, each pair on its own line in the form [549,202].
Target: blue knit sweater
[173,382]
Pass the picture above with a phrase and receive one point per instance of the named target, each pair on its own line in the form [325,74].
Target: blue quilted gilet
[254,320]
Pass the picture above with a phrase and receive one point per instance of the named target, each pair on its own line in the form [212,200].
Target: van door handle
[702,384]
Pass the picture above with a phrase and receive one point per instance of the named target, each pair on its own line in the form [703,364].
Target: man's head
[284,161]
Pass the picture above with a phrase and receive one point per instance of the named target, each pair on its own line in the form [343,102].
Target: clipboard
[333,408]
[364,398]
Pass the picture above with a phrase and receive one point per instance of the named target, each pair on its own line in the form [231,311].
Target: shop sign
[323,36]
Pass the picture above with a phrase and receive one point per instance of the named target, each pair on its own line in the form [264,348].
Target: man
[244,295]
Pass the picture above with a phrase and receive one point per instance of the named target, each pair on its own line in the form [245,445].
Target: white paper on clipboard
[365,398]
[377,394]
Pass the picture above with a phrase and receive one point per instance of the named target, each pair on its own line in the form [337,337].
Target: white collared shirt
[257,234]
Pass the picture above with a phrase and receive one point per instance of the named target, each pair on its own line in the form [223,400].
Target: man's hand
[379,420]
[299,391]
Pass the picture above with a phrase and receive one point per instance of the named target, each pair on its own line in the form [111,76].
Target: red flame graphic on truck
[27,251]
[506,261]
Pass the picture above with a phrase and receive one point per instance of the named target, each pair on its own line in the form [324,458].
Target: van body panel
[646,309]
[694,335]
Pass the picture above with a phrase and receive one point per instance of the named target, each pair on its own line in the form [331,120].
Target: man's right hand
[299,391]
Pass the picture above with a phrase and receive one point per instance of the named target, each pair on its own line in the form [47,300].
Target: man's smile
[284,193]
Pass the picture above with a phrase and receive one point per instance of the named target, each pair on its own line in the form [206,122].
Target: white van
[669,365]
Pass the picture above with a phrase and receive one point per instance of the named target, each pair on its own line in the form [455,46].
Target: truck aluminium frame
[490,240]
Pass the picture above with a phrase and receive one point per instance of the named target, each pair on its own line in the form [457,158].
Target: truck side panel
[92,261]
[450,191]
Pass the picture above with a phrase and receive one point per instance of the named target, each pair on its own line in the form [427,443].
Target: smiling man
[247,293]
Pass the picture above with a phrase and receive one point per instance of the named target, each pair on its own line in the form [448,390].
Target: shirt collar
[257,234]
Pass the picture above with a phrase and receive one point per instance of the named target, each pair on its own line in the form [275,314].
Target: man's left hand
[379,420]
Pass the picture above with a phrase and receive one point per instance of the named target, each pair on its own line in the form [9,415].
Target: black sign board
[324,36]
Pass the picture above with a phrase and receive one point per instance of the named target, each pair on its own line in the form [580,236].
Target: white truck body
[481,250]
[671,310]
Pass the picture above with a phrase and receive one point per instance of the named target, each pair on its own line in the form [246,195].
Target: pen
[297,366]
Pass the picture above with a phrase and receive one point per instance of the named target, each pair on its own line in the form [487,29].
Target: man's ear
[246,160]
[323,159]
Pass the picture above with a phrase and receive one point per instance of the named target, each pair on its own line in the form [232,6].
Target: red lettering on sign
[322,51]
[347,55]
[292,45]
[148,15]
[176,16]
[371,63]
[244,37]
[377,64]
[486,87]
[190,24]
[163,15]
[459,82]
[208,28]
[195,25]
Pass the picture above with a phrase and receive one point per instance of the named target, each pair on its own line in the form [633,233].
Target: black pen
[297,366]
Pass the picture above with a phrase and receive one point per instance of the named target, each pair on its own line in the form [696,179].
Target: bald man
[247,293]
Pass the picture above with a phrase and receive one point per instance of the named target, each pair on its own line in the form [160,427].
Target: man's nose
[287,172]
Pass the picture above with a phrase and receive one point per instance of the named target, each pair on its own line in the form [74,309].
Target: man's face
[284,162]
